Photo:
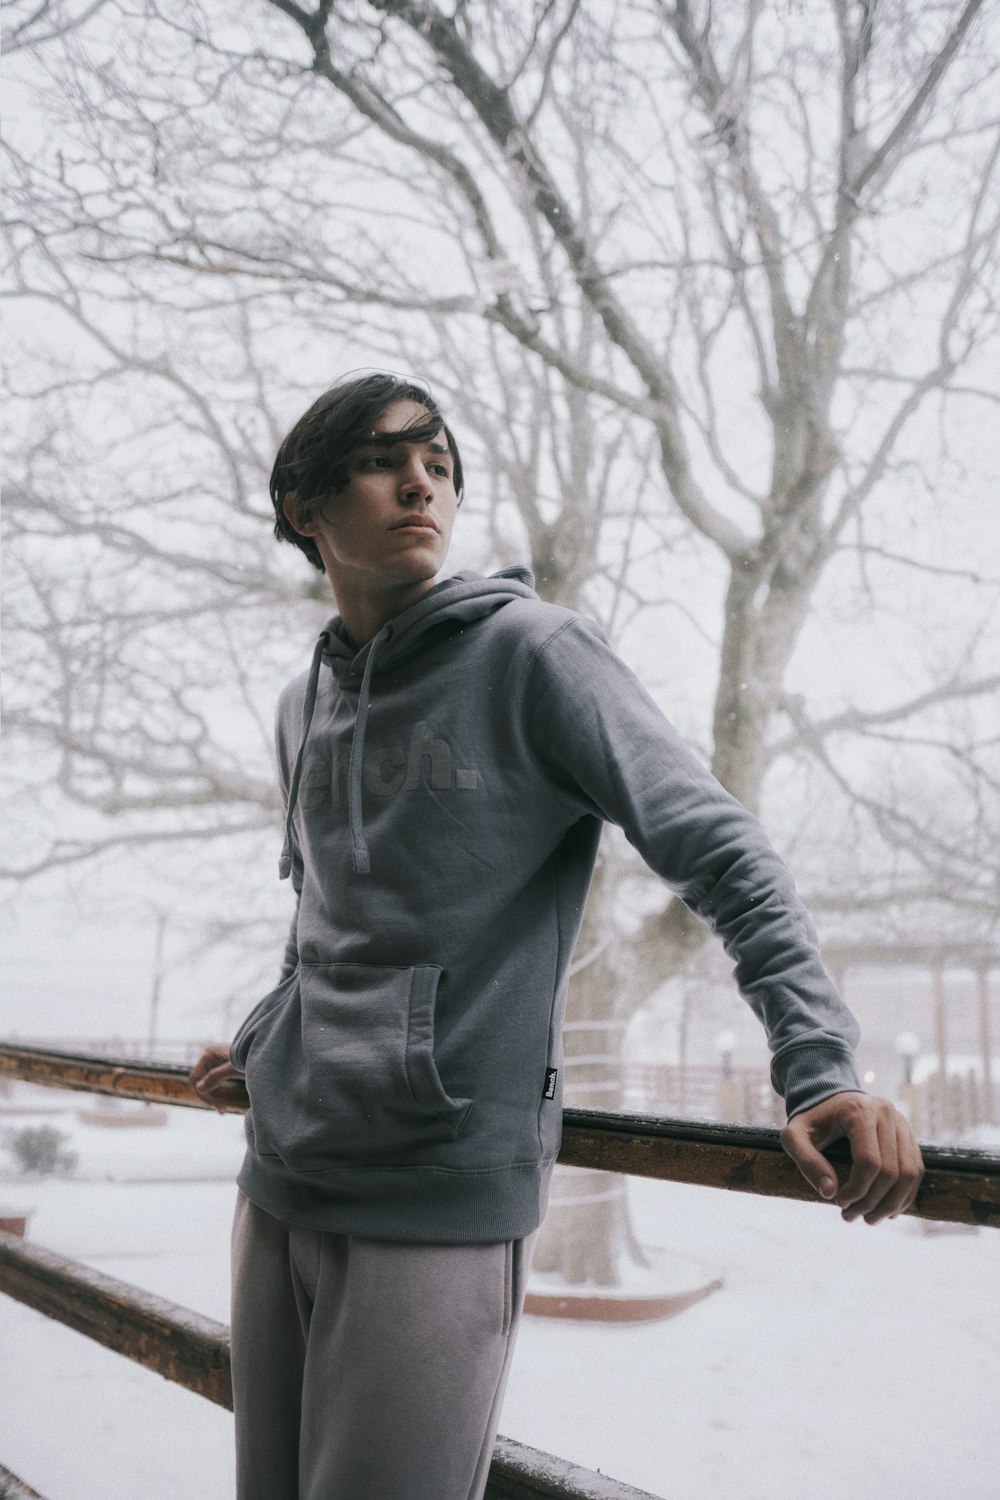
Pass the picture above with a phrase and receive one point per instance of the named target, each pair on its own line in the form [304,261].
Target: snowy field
[836,1361]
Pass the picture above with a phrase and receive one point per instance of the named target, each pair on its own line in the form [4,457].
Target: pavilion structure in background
[955,1097]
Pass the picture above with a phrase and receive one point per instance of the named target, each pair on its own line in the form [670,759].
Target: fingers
[207,1089]
[884,1179]
[210,1058]
[210,1072]
[886,1165]
[874,1164]
[808,1158]
[891,1192]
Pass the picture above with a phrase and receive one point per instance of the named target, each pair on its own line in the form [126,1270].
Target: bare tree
[709,289]
[32,23]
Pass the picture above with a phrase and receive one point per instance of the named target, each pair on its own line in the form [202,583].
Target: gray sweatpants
[366,1369]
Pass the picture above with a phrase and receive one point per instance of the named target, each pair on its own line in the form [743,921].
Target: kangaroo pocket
[343,1073]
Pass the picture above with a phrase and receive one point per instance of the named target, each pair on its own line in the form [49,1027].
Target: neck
[365,610]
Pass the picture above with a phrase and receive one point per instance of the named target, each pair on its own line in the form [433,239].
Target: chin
[433,558]
[420,572]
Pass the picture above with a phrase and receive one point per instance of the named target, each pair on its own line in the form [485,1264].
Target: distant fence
[702,1092]
[939,1107]
[946,1106]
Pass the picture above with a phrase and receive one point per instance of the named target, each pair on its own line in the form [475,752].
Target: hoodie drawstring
[312,683]
[360,858]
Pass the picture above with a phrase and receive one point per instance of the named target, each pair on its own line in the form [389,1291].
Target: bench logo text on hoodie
[388,769]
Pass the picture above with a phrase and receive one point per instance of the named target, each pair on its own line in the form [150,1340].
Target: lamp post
[911,1098]
[157,985]
[731,1103]
[907,1045]
[726,1045]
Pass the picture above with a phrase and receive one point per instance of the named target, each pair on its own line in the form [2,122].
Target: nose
[415,482]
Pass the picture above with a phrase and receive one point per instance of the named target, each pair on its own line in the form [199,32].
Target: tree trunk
[587,1232]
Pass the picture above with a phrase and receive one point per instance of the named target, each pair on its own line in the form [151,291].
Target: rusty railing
[960,1186]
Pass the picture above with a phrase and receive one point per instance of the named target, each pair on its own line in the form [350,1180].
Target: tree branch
[856,720]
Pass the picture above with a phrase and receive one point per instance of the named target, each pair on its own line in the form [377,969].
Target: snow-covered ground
[836,1360]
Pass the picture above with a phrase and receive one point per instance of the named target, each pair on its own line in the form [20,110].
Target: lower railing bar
[193,1351]
[12,1488]
[522,1473]
[960,1186]
[517,1473]
[179,1344]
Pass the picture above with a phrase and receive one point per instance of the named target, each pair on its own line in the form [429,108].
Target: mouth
[415,524]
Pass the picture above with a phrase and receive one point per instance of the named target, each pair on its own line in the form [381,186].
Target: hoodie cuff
[806,1075]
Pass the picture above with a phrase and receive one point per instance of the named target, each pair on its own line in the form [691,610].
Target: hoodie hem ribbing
[415,1204]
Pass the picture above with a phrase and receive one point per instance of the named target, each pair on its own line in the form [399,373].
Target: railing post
[13,1488]
[986,1043]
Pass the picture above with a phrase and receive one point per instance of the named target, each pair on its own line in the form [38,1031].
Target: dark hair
[312,460]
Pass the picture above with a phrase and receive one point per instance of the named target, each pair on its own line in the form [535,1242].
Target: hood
[461,599]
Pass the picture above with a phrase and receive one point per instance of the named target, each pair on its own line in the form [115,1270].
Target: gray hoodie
[446,787]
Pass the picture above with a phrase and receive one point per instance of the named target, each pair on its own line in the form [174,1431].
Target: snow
[836,1359]
[665,1274]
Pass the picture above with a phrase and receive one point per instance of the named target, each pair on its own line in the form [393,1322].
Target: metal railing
[960,1186]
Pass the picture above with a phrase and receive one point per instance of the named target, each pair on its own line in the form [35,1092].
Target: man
[448,762]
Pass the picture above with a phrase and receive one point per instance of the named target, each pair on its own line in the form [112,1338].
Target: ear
[301,518]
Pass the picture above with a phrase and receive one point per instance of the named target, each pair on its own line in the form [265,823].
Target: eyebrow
[390,439]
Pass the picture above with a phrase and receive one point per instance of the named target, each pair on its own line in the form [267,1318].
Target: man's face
[392,522]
